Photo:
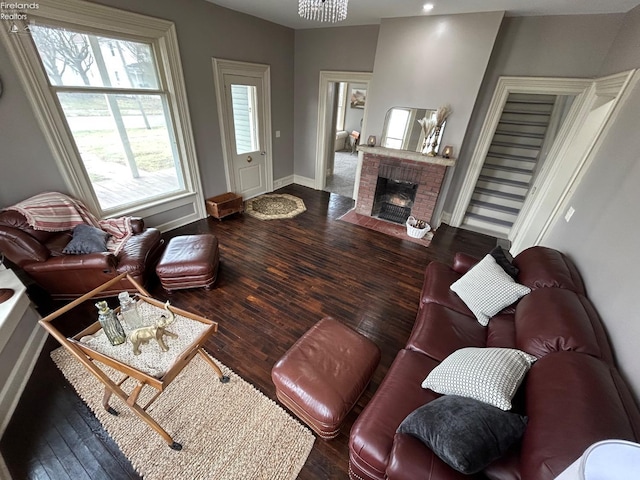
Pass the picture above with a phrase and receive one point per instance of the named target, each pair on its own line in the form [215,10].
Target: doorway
[341,120]
[244,108]
[567,160]
[342,156]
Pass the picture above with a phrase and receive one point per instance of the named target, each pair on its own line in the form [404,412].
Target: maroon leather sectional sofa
[573,394]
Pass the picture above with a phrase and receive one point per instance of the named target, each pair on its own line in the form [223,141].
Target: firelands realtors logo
[16,12]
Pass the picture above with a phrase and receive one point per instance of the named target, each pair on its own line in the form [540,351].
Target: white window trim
[106,19]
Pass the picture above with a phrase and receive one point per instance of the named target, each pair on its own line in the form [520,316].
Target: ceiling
[368,12]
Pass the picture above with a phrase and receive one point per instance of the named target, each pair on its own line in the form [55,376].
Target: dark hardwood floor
[277,278]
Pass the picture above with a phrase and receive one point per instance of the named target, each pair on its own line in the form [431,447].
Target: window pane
[244,121]
[125,145]
[79,59]
[396,128]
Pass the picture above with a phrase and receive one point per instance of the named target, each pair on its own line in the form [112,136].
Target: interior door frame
[506,86]
[222,67]
[577,151]
[327,77]
[557,179]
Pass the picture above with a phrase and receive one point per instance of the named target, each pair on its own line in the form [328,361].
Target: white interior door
[244,110]
[244,98]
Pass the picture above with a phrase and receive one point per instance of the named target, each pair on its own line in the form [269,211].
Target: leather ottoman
[322,376]
[189,261]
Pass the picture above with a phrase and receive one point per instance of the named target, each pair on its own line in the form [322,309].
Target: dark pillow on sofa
[505,260]
[465,433]
[86,239]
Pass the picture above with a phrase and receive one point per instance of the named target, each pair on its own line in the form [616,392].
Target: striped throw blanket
[56,212]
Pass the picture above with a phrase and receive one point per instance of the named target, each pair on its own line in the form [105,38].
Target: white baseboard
[304,181]
[17,381]
[445,217]
[282,182]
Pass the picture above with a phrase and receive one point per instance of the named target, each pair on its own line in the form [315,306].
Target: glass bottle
[129,311]
[110,324]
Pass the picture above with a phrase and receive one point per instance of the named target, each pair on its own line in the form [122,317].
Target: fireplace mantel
[407,155]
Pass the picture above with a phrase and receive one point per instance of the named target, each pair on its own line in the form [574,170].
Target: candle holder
[371,141]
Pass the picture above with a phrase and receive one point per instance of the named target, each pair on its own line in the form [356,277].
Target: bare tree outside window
[62,46]
[117,112]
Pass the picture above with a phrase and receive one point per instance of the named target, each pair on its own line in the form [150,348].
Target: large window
[112,105]
[116,111]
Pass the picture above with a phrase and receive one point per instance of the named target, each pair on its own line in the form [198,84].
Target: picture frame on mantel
[358,97]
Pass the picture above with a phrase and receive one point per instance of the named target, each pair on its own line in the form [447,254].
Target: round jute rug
[275,206]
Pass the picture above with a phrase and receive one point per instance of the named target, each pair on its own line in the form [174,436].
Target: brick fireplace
[426,172]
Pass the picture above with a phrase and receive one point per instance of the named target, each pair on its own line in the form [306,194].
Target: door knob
[249,159]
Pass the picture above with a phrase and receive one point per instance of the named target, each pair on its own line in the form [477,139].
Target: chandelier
[323,10]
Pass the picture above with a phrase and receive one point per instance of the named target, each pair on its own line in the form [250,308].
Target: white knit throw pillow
[487,289]
[491,375]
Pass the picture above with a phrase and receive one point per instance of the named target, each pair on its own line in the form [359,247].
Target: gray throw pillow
[463,432]
[86,239]
[505,260]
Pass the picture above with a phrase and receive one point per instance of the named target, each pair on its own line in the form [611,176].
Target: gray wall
[349,49]
[602,236]
[26,164]
[547,46]
[430,61]
[204,31]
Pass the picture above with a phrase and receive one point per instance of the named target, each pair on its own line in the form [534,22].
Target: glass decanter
[110,324]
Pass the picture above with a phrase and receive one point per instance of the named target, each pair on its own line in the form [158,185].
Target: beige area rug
[228,431]
[274,206]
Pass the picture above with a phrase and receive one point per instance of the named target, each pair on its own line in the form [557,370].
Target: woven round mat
[275,206]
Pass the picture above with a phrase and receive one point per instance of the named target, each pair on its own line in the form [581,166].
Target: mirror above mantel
[402,131]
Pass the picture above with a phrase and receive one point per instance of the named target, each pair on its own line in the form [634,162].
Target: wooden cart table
[152,367]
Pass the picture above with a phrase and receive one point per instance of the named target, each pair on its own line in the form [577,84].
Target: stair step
[523,129]
[506,162]
[502,185]
[498,198]
[538,120]
[494,206]
[499,143]
[522,111]
[531,98]
[507,173]
[487,225]
[538,136]
[495,212]
[496,193]
[518,140]
[498,152]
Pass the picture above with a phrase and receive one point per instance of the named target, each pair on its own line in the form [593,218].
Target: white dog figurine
[141,336]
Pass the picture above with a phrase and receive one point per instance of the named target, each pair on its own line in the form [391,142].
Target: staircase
[510,164]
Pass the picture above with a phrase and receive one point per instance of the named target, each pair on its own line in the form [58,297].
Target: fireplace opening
[395,192]
[393,200]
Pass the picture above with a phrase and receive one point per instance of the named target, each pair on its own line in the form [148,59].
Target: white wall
[430,61]
[602,236]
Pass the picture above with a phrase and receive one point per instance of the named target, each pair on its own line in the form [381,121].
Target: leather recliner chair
[39,254]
